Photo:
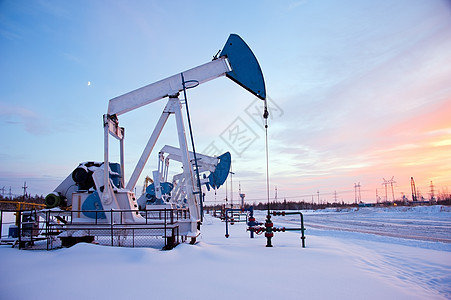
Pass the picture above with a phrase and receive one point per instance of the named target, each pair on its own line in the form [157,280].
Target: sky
[358,92]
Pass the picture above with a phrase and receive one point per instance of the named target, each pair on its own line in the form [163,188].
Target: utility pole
[386,182]
[432,192]
[357,188]
[10,194]
[3,192]
[226,199]
[355,192]
[360,196]
[392,192]
[318,196]
[335,196]
[275,194]
[24,189]
[231,186]
[414,189]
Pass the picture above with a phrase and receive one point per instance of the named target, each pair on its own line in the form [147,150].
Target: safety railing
[120,217]
[49,229]
[269,228]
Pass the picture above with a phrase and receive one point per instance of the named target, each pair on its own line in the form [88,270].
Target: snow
[426,223]
[336,264]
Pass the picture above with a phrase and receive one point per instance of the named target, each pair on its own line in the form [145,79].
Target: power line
[309,195]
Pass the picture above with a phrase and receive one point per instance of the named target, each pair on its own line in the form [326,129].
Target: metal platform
[54,228]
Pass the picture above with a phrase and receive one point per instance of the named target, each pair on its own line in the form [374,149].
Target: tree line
[302,205]
[7,203]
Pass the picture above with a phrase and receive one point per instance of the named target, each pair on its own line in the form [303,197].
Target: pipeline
[269,228]
[250,218]
[302,229]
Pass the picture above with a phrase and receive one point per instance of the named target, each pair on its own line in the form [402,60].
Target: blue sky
[359,89]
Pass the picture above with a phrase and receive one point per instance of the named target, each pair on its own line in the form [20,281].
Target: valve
[278,213]
[269,232]
[281,229]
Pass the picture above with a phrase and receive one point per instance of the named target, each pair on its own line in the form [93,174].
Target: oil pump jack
[101,186]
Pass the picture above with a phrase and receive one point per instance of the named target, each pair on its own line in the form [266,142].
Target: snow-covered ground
[428,223]
[358,261]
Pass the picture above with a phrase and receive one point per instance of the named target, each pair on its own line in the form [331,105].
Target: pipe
[302,229]
[251,214]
